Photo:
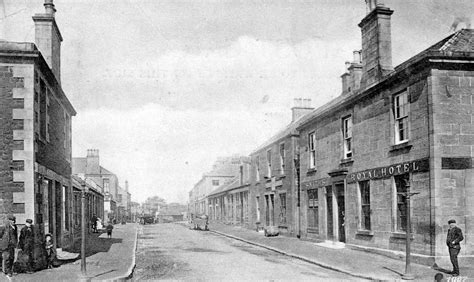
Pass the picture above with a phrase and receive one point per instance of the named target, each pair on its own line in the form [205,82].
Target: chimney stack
[301,108]
[92,162]
[376,43]
[126,185]
[351,78]
[48,38]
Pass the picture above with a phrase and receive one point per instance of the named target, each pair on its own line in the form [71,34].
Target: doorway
[329,214]
[341,212]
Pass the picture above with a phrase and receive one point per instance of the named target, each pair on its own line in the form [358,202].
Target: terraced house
[393,132]
[35,138]
[273,186]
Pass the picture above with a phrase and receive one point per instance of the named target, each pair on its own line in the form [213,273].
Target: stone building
[396,130]
[124,203]
[230,202]
[90,168]
[94,203]
[273,191]
[223,171]
[35,143]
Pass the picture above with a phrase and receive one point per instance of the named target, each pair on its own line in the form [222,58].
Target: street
[172,251]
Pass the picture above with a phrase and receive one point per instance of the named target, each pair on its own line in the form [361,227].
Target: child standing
[50,251]
[109,230]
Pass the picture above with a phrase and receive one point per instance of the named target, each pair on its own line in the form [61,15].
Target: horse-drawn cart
[200,222]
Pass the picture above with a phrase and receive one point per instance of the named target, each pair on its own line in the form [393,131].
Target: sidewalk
[107,259]
[360,264]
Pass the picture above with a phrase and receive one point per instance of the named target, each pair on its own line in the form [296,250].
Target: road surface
[172,251]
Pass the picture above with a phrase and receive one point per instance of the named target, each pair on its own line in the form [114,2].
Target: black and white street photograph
[237,140]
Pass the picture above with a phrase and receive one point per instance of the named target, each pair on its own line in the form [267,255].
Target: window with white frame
[401,110]
[312,150]
[347,136]
[364,190]
[282,158]
[269,163]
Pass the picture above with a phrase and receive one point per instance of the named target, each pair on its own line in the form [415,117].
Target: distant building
[230,202]
[94,203]
[273,194]
[35,142]
[223,171]
[123,203]
[90,168]
[135,211]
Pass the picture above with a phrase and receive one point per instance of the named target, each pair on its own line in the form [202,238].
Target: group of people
[26,242]
[96,224]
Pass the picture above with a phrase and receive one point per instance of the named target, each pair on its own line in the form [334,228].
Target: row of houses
[343,172]
[39,179]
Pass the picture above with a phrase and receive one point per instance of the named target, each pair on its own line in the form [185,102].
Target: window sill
[400,235]
[312,230]
[311,171]
[402,146]
[347,161]
[365,232]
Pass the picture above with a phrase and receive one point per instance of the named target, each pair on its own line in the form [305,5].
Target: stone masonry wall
[373,146]
[16,146]
[453,150]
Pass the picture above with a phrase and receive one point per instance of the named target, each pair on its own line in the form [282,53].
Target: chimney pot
[49,7]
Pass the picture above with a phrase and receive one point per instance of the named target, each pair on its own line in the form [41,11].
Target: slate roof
[286,131]
[226,187]
[457,45]
[79,166]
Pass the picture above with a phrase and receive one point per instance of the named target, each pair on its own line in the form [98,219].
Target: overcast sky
[164,87]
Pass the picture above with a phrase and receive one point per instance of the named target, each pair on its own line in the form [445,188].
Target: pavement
[357,263]
[106,259]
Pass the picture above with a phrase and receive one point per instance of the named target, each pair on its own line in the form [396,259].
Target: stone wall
[452,106]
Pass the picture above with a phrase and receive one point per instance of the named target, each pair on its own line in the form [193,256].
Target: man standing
[27,243]
[452,240]
[8,243]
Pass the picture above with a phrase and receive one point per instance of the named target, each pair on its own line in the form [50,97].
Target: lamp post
[298,202]
[83,229]
[408,275]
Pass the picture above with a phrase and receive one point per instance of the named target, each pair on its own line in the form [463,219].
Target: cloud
[163,151]
[237,76]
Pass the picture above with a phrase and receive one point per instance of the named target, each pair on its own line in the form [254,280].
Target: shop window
[347,136]
[282,158]
[364,190]
[401,182]
[313,210]
[401,111]
[283,209]
[312,150]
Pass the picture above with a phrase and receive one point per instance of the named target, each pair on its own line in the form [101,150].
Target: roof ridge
[452,40]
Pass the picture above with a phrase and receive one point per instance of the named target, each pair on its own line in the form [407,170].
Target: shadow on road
[94,244]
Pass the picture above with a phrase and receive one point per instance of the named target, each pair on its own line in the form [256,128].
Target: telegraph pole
[83,229]
[408,275]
